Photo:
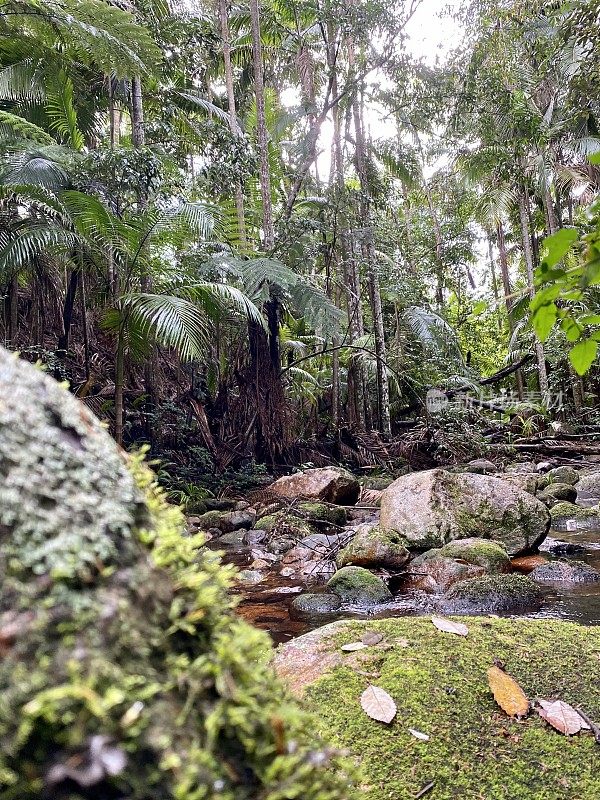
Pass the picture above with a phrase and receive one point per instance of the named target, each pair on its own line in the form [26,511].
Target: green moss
[490,555]
[358,586]
[439,684]
[493,593]
[140,645]
[322,513]
[571,511]
[374,548]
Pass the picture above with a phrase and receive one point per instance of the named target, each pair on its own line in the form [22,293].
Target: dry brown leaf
[448,626]
[352,647]
[371,637]
[563,717]
[418,735]
[507,693]
[377,703]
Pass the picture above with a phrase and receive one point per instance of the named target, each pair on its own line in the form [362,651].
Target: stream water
[267,604]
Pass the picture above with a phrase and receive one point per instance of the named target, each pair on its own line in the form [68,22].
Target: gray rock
[374,547]
[564,474]
[255,536]
[493,594]
[231,539]
[332,484]
[489,555]
[544,466]
[565,572]
[435,507]
[315,604]
[250,576]
[480,466]
[555,492]
[358,586]
[588,489]
[241,519]
[435,573]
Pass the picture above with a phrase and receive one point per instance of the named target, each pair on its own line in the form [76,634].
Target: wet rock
[315,604]
[214,519]
[358,586]
[373,547]
[255,536]
[560,548]
[219,504]
[571,517]
[544,466]
[521,466]
[588,489]
[434,573]
[231,539]
[241,519]
[321,514]
[281,544]
[557,491]
[250,576]
[526,564]
[332,484]
[285,523]
[481,552]
[435,507]
[493,594]
[309,562]
[565,572]
[328,541]
[564,474]
[480,466]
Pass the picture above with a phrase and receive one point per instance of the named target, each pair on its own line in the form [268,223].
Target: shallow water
[266,604]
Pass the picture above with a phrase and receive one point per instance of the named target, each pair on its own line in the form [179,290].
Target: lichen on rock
[124,671]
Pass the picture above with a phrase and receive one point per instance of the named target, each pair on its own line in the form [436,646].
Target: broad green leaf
[583,355]
[594,158]
[571,329]
[544,319]
[590,319]
[558,245]
[479,308]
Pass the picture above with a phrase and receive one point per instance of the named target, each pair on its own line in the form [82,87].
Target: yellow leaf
[507,693]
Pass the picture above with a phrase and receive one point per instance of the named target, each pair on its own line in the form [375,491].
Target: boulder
[374,547]
[555,492]
[311,605]
[332,484]
[588,489]
[435,507]
[564,474]
[359,587]
[435,573]
[438,682]
[321,514]
[526,481]
[117,630]
[565,572]
[493,594]
[480,466]
[482,552]
[309,562]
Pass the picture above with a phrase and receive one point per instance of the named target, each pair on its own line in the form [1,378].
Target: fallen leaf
[418,735]
[401,643]
[353,647]
[563,717]
[371,637]
[507,693]
[377,704]
[448,626]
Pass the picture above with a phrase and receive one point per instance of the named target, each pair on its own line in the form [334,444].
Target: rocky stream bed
[320,545]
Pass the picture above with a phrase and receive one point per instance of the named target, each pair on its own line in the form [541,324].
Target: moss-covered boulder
[588,489]
[315,605]
[555,492]
[564,474]
[434,507]
[374,547]
[439,683]
[433,572]
[358,586]
[322,514]
[565,572]
[124,672]
[493,594]
[571,517]
[482,552]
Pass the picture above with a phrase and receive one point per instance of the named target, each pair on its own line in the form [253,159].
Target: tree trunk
[233,124]
[528,256]
[383,390]
[261,129]
[119,380]
[12,311]
[68,308]
[503,258]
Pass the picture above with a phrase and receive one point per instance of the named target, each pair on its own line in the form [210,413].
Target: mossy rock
[493,593]
[481,552]
[124,671]
[565,511]
[314,605]
[440,686]
[557,491]
[358,586]
[563,474]
[285,524]
[323,514]
[374,547]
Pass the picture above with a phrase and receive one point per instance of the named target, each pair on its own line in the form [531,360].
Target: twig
[425,790]
[595,729]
